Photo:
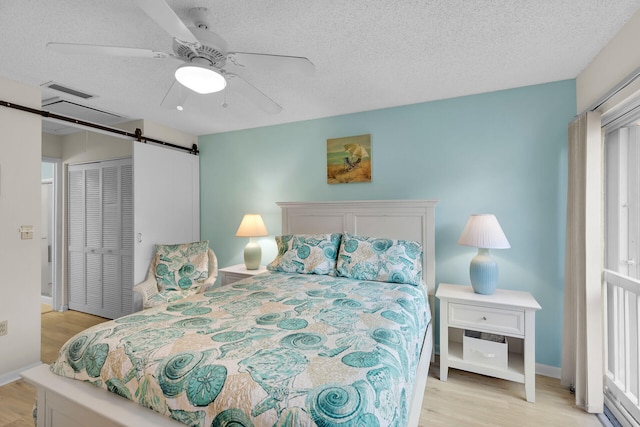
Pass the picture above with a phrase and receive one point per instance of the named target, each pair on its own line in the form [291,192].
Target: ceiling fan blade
[282,63]
[92,49]
[252,93]
[161,12]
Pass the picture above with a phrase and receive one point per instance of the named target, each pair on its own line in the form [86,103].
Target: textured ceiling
[368,54]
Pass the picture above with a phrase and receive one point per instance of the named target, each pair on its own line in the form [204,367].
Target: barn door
[167,201]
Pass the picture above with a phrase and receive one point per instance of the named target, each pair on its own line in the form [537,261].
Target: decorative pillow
[381,260]
[306,253]
[181,267]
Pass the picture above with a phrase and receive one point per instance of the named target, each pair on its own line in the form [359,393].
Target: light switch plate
[26,232]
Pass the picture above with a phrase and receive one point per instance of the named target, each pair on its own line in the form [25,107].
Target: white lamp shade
[200,78]
[252,226]
[483,231]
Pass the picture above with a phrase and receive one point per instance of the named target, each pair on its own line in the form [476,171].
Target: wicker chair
[147,294]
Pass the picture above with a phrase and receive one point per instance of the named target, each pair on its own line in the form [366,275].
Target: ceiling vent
[67,108]
[67,90]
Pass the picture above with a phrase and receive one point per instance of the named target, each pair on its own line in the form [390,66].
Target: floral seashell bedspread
[275,349]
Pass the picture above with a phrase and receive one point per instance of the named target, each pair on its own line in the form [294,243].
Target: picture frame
[349,159]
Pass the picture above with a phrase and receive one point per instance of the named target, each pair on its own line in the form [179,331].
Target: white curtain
[582,338]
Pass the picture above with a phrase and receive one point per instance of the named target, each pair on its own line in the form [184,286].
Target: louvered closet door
[101,238]
[75,237]
[93,246]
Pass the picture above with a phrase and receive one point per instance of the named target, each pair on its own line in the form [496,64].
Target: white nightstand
[508,313]
[237,272]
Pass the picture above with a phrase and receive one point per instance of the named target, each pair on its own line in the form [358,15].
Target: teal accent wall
[501,152]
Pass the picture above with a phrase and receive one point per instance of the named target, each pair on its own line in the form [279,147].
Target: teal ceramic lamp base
[483,272]
[252,254]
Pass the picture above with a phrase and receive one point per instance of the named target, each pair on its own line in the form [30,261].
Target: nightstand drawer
[233,273]
[229,278]
[498,320]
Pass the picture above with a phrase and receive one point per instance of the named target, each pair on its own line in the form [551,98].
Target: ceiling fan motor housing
[213,48]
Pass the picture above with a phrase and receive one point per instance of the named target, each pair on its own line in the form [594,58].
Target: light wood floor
[464,400]
[17,398]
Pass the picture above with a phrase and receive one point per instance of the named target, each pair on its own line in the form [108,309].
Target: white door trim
[58,302]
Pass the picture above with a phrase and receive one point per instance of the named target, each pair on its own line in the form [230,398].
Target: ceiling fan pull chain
[224,101]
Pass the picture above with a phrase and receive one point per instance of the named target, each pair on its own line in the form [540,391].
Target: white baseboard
[547,371]
[12,376]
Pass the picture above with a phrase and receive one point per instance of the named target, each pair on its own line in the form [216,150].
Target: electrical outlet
[4,327]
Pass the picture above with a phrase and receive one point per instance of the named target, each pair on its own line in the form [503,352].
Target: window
[622,270]
[622,194]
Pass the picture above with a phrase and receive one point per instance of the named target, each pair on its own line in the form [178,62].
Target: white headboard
[393,219]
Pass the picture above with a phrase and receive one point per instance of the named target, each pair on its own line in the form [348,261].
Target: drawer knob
[484,317]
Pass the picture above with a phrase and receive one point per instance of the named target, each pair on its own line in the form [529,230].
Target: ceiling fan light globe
[200,79]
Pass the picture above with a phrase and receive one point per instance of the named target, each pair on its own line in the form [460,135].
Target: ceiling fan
[203,54]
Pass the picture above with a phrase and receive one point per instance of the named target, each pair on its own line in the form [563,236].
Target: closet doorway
[51,236]
[100,237]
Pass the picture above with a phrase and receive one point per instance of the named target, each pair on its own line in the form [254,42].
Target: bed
[331,348]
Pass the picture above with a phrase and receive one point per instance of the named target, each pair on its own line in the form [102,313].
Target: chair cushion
[181,267]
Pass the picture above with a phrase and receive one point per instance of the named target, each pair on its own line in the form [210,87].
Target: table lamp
[252,226]
[483,232]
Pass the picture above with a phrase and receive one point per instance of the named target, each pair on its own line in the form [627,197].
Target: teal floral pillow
[381,260]
[181,267]
[306,253]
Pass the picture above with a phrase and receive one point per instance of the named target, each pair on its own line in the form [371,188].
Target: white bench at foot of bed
[63,402]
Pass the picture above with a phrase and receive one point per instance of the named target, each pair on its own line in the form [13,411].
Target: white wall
[20,158]
[615,62]
[163,133]
[85,146]
[51,146]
